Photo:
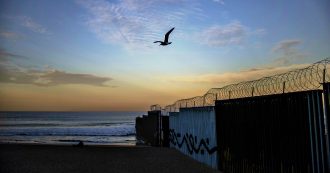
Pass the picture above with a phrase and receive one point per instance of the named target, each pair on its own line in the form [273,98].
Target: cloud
[259,32]
[231,34]
[136,23]
[30,24]
[235,77]
[222,2]
[6,56]
[288,52]
[286,46]
[49,77]
[9,35]
[13,73]
[56,77]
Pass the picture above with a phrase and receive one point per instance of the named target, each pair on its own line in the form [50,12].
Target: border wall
[152,129]
[277,133]
[274,124]
[147,128]
[193,132]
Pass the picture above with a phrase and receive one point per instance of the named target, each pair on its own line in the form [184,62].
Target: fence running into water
[274,124]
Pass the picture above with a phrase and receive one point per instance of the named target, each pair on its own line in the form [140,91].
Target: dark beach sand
[114,159]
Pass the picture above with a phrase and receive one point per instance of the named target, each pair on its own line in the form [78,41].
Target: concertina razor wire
[308,78]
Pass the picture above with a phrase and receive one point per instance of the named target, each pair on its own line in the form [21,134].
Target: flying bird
[165,42]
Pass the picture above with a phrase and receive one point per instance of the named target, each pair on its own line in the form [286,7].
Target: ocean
[68,128]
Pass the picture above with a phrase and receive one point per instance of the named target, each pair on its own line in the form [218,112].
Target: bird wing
[168,34]
[157,41]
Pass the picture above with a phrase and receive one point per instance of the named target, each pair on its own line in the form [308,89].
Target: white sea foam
[68,128]
[114,130]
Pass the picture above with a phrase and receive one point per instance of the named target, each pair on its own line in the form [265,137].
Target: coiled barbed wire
[155,107]
[308,78]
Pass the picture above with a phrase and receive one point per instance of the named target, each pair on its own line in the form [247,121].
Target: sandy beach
[51,158]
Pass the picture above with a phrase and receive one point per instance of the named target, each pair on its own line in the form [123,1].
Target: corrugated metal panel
[192,131]
[148,128]
[277,133]
[326,92]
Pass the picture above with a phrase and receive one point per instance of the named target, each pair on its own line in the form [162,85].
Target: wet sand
[93,159]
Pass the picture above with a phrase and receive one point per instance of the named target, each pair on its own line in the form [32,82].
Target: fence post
[324,71]
[229,94]
[203,101]
[326,97]
[326,90]
[283,87]
[252,91]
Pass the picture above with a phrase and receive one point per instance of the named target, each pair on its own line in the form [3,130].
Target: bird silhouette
[165,42]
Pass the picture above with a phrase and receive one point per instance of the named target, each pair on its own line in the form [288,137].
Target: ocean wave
[95,128]
[62,124]
[125,129]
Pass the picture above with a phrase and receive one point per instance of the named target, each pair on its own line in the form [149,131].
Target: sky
[99,55]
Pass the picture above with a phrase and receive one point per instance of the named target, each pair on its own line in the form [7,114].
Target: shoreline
[68,143]
[72,145]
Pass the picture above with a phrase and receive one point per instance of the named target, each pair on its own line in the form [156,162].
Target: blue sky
[104,50]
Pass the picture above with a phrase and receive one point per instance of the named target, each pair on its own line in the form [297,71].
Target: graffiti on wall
[192,143]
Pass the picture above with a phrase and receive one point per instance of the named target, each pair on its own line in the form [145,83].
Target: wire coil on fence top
[155,107]
[308,78]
